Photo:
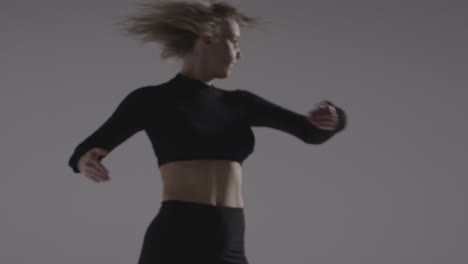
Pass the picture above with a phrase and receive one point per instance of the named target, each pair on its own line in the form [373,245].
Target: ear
[206,39]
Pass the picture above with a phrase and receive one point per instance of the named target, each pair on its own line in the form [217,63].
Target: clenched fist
[325,116]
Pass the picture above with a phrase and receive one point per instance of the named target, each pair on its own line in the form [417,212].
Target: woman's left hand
[325,116]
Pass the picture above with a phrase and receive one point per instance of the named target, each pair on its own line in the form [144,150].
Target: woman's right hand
[90,165]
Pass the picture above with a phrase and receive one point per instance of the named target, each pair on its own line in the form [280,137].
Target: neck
[196,73]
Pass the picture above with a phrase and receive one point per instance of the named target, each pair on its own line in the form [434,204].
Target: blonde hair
[176,25]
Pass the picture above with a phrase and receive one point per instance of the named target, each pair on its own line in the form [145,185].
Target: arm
[263,113]
[125,121]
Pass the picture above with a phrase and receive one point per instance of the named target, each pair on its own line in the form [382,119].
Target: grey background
[391,188]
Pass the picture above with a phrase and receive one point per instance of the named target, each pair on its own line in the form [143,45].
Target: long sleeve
[263,113]
[126,120]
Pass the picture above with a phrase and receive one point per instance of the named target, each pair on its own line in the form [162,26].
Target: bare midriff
[214,182]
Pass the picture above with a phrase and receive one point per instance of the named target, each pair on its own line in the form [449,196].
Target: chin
[224,74]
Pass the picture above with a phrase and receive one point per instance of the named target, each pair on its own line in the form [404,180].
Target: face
[222,55]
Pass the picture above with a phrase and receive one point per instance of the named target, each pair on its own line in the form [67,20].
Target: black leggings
[194,233]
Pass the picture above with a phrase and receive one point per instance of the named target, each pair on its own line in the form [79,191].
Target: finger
[329,111]
[92,175]
[323,118]
[331,125]
[96,173]
[320,122]
[314,122]
[98,166]
[327,123]
[323,124]
[332,110]
[321,110]
[320,106]
[326,102]
[318,112]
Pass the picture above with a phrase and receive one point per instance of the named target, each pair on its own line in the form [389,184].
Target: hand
[325,116]
[91,166]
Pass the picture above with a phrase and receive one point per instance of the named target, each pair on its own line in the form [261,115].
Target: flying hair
[176,25]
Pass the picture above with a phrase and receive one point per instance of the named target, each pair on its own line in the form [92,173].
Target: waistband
[188,204]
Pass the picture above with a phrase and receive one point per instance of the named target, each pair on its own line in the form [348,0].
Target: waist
[235,202]
[210,182]
[196,206]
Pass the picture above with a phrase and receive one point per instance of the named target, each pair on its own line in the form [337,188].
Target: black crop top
[187,119]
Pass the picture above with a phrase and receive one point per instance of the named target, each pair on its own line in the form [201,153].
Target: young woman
[200,133]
